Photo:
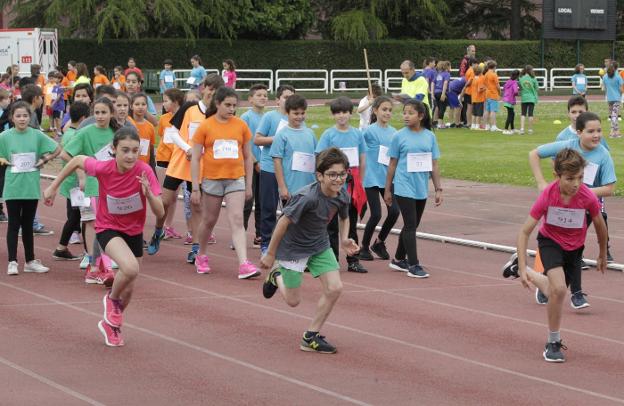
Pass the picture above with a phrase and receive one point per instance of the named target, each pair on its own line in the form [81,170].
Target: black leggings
[2,173]
[334,233]
[511,115]
[72,224]
[412,211]
[255,187]
[21,214]
[372,195]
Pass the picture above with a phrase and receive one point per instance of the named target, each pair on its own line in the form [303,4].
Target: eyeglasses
[334,175]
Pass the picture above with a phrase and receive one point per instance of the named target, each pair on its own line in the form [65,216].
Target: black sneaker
[540,297]
[552,352]
[356,267]
[365,255]
[400,265]
[379,248]
[578,301]
[610,259]
[417,271]
[511,267]
[316,343]
[584,265]
[3,218]
[269,287]
[65,255]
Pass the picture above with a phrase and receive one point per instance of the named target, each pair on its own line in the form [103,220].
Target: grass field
[493,157]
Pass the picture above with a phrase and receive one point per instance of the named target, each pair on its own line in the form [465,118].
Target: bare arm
[389,178]
[436,179]
[279,176]
[601,232]
[75,163]
[605,190]
[195,167]
[151,118]
[534,163]
[249,168]
[522,242]
[263,140]
[268,259]
[362,166]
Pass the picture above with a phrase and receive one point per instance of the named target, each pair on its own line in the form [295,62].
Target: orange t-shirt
[119,84]
[223,144]
[147,134]
[492,86]
[99,80]
[41,81]
[180,167]
[47,94]
[66,85]
[469,76]
[164,151]
[478,89]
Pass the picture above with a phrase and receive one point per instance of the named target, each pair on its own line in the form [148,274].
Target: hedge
[319,54]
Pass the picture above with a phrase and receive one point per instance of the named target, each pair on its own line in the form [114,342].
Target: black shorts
[527,109]
[162,164]
[467,99]
[477,109]
[171,183]
[56,114]
[554,256]
[135,242]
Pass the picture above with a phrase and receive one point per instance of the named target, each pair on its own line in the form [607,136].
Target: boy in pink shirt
[563,205]
[126,186]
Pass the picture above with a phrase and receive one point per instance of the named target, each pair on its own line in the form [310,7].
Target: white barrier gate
[182,75]
[258,76]
[560,78]
[312,75]
[336,78]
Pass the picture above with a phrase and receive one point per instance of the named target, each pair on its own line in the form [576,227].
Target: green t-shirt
[23,149]
[94,142]
[528,89]
[72,180]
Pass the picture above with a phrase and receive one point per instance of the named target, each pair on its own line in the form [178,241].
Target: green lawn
[493,157]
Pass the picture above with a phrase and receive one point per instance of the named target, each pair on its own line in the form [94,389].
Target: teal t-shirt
[376,138]
[94,142]
[295,146]
[23,149]
[270,124]
[347,141]
[252,118]
[409,180]
[580,81]
[528,89]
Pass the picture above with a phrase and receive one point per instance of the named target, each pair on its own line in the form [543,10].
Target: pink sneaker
[94,278]
[247,270]
[201,264]
[112,311]
[212,239]
[189,239]
[171,233]
[112,335]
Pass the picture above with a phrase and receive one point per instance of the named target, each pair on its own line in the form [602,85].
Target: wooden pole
[370,86]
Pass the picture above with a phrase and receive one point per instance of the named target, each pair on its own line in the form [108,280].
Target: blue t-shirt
[569,134]
[376,136]
[302,142]
[199,73]
[604,173]
[580,81]
[347,141]
[429,74]
[414,185]
[270,124]
[168,79]
[252,118]
[613,86]
[151,108]
[457,85]
[440,78]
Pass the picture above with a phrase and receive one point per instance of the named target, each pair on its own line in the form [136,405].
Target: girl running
[414,155]
[125,185]
[146,130]
[25,150]
[222,143]
[378,137]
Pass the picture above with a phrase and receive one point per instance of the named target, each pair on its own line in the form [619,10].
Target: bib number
[225,149]
[419,162]
[116,85]
[303,162]
[144,146]
[78,198]
[352,155]
[168,79]
[580,81]
[383,157]
[170,132]
[124,205]
[191,80]
[282,124]
[565,218]
[24,162]
[192,128]
[105,154]
[589,175]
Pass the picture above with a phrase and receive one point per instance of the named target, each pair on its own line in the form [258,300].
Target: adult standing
[471,52]
[414,84]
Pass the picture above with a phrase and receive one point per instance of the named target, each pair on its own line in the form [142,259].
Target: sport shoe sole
[308,349]
[397,268]
[249,275]
[555,360]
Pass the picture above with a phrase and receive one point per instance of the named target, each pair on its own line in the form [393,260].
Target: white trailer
[26,46]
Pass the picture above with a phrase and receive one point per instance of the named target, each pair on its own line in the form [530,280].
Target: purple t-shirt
[429,74]
[457,85]
[441,77]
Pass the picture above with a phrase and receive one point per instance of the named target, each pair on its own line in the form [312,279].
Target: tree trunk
[515,25]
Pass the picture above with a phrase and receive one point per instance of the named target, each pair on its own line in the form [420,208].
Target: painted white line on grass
[49,382]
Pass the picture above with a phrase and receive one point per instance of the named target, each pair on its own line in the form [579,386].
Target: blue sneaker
[154,244]
[263,250]
[190,258]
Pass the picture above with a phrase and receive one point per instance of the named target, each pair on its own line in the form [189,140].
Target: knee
[293,301]
[334,290]
[130,269]
[557,291]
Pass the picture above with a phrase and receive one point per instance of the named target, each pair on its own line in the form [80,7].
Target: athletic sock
[158,231]
[195,247]
[554,337]
[309,335]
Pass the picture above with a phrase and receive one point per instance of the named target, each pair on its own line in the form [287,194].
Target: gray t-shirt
[310,211]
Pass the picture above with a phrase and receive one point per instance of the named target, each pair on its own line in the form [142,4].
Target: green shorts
[318,264]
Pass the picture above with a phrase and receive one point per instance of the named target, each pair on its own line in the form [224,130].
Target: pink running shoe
[112,311]
[112,335]
[94,278]
[189,239]
[247,270]
[201,264]
[212,239]
[171,233]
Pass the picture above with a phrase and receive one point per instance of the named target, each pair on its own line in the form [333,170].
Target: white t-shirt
[366,114]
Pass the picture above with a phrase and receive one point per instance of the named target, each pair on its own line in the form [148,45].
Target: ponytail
[421,108]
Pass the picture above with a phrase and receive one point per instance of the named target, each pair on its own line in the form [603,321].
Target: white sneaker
[75,238]
[508,132]
[530,131]
[495,128]
[487,127]
[521,132]
[84,263]
[35,266]
[12,269]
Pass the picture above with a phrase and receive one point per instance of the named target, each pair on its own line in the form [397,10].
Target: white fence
[253,76]
[560,78]
[338,80]
[310,76]
[182,75]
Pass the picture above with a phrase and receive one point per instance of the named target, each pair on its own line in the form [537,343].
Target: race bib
[352,155]
[170,132]
[419,162]
[191,80]
[282,124]
[24,162]
[192,128]
[144,145]
[168,79]
[105,154]
[298,265]
[124,205]
[78,198]
[117,85]
[303,162]
[580,81]
[225,149]
[589,175]
[565,218]
[383,157]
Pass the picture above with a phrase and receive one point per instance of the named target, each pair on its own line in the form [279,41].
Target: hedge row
[318,54]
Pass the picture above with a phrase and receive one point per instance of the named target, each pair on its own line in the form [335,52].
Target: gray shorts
[221,187]
[88,213]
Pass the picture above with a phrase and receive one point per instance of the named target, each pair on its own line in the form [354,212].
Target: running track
[464,336]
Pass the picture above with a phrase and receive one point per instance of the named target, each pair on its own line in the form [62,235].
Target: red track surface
[464,336]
